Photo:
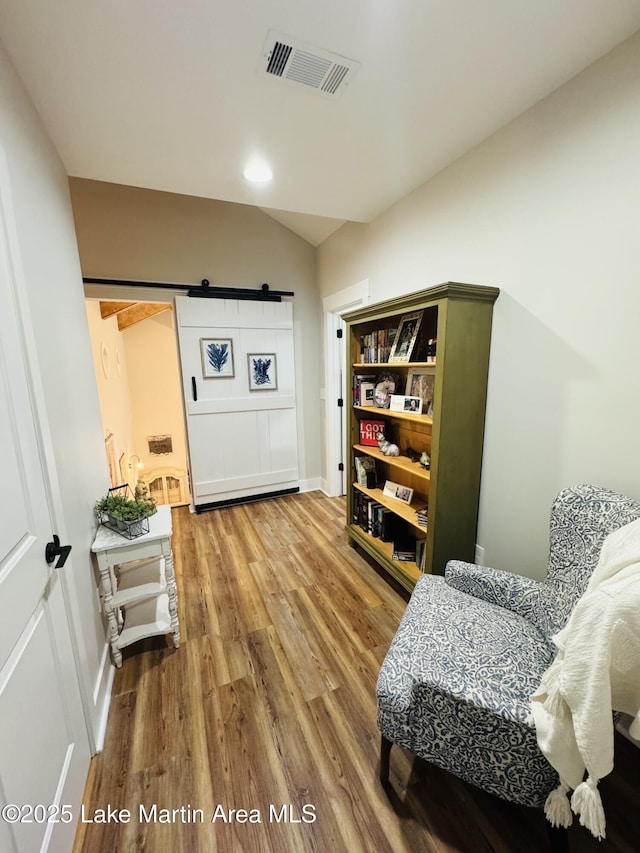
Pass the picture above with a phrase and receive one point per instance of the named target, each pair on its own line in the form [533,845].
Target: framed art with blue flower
[217,358]
[262,371]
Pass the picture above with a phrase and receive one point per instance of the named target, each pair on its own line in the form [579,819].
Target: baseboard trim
[249,499]
[101,706]
[314,484]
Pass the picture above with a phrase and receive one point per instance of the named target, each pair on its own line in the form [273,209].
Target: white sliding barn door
[242,440]
[44,749]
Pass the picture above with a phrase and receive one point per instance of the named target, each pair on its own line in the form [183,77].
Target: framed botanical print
[262,371]
[217,358]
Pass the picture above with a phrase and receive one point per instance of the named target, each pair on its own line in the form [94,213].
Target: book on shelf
[391,526]
[421,551]
[359,504]
[369,430]
[375,347]
[374,518]
[422,515]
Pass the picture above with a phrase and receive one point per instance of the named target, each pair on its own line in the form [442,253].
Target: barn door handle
[55,549]
[194,388]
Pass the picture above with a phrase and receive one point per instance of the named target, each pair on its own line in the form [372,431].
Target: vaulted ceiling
[175,96]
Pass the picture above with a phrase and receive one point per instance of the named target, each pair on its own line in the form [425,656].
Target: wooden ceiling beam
[108,309]
[140,311]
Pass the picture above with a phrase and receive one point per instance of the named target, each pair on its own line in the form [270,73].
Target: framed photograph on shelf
[395,490]
[262,371]
[217,358]
[422,384]
[405,338]
[402,403]
[385,386]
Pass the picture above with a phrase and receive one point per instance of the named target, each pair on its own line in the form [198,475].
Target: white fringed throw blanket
[596,669]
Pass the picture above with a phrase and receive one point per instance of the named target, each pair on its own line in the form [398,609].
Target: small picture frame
[422,383]
[396,490]
[413,405]
[402,403]
[263,374]
[405,338]
[217,358]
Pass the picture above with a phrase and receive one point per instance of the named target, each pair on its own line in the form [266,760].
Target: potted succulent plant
[124,513]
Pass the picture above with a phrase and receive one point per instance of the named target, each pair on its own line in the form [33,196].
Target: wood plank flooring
[269,706]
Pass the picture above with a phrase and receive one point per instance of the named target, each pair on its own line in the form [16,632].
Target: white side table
[137,578]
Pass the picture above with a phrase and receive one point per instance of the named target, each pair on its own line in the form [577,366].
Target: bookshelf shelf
[404,511]
[402,462]
[382,365]
[400,416]
[456,319]
[383,553]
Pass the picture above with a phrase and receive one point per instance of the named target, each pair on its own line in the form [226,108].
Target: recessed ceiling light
[258,173]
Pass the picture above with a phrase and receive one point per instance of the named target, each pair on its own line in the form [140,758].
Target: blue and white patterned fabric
[471,648]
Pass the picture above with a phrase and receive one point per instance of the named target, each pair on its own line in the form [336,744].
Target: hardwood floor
[269,706]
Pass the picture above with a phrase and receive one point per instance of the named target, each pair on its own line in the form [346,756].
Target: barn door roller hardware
[205,291]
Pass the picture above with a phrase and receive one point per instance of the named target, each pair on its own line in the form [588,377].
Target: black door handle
[194,388]
[55,549]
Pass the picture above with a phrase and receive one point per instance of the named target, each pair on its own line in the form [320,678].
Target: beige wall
[51,272]
[549,211]
[125,232]
[156,394]
[113,385]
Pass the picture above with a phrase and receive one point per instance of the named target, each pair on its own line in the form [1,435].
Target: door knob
[55,549]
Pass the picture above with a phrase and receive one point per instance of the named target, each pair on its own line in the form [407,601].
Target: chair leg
[558,838]
[385,752]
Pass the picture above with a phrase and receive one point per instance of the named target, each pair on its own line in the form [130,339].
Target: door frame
[333,307]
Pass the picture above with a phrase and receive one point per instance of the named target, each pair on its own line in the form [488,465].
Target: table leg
[173,598]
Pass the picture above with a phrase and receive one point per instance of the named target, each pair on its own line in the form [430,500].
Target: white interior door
[44,749]
[242,434]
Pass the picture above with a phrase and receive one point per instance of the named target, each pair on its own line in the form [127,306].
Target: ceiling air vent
[289,59]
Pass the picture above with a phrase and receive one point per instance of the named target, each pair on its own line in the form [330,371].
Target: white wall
[548,210]
[113,389]
[54,288]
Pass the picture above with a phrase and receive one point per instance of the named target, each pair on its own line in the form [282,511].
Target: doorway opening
[135,356]
[334,307]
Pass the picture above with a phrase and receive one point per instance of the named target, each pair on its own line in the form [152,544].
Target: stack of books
[374,518]
[376,346]
[421,516]
[404,549]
